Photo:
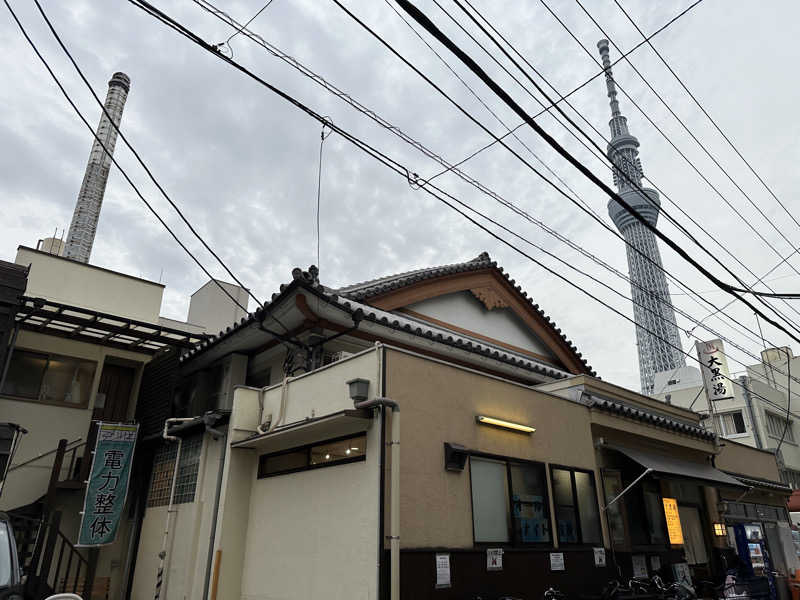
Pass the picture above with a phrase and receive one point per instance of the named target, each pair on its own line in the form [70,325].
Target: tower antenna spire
[652,309]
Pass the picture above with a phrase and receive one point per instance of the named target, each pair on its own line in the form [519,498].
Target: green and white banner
[108,483]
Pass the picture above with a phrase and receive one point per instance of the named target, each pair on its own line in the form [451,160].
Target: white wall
[213,309]
[464,310]
[70,282]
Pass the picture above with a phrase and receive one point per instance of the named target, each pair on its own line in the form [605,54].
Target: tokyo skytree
[657,335]
[90,199]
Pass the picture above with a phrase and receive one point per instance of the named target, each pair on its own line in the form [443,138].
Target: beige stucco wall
[70,282]
[742,459]
[47,424]
[438,404]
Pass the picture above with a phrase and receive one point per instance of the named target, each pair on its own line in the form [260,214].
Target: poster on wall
[639,566]
[107,486]
[673,521]
[557,561]
[599,557]
[494,559]
[655,563]
[534,526]
[442,570]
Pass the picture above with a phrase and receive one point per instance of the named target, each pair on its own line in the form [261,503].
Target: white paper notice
[556,561]
[494,559]
[655,563]
[639,565]
[599,557]
[442,570]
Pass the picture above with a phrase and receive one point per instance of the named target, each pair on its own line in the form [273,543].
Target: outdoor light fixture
[359,389]
[720,530]
[504,424]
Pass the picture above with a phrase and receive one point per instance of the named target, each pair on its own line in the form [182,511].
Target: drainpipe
[394,497]
[217,494]
[162,555]
[748,401]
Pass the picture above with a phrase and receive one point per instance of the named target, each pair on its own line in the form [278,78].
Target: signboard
[673,521]
[655,563]
[639,565]
[442,570]
[599,557]
[557,561]
[494,559]
[108,483]
[716,377]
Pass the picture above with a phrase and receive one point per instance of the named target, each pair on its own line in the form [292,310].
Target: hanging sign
[673,521]
[716,377]
[108,483]
[494,559]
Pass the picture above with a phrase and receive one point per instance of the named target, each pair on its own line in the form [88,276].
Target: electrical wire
[211,9]
[788,405]
[390,163]
[253,18]
[322,137]
[141,161]
[584,84]
[598,152]
[671,143]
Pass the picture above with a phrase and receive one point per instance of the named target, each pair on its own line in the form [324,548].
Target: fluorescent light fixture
[504,424]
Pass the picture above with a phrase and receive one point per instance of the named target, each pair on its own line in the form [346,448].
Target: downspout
[748,401]
[217,495]
[394,498]
[163,553]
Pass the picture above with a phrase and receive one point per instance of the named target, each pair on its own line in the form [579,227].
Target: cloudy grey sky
[242,163]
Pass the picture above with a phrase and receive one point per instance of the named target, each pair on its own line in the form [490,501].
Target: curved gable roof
[397,291]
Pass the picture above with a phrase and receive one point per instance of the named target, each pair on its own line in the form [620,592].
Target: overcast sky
[242,163]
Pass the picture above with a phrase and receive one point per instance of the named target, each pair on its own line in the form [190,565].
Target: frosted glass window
[587,508]
[490,502]
[577,512]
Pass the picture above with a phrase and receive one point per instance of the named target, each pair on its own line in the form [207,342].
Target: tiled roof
[351,298]
[365,290]
[762,483]
[658,420]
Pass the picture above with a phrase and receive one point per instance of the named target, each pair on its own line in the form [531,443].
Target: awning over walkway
[672,467]
[309,431]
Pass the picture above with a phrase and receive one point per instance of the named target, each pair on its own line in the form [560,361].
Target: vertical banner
[716,377]
[108,483]
[673,521]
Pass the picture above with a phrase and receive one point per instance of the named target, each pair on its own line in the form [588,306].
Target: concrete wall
[745,460]
[464,310]
[439,404]
[70,282]
[46,423]
[213,309]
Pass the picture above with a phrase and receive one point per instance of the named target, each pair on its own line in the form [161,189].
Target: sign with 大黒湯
[716,377]
[673,521]
[107,486]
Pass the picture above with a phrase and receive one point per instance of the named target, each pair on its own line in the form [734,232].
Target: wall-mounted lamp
[720,530]
[359,389]
[504,424]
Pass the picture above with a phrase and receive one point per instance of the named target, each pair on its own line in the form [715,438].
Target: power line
[582,85]
[473,66]
[139,158]
[294,63]
[680,153]
[703,147]
[705,112]
[99,141]
[599,156]
[253,18]
[390,163]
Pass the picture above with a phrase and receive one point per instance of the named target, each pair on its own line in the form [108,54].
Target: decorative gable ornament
[489,297]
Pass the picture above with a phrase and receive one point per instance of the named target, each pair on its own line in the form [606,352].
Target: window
[731,423]
[509,501]
[49,378]
[776,426]
[575,500]
[323,454]
[163,465]
[612,484]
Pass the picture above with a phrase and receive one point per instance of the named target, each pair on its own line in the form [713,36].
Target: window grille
[186,481]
